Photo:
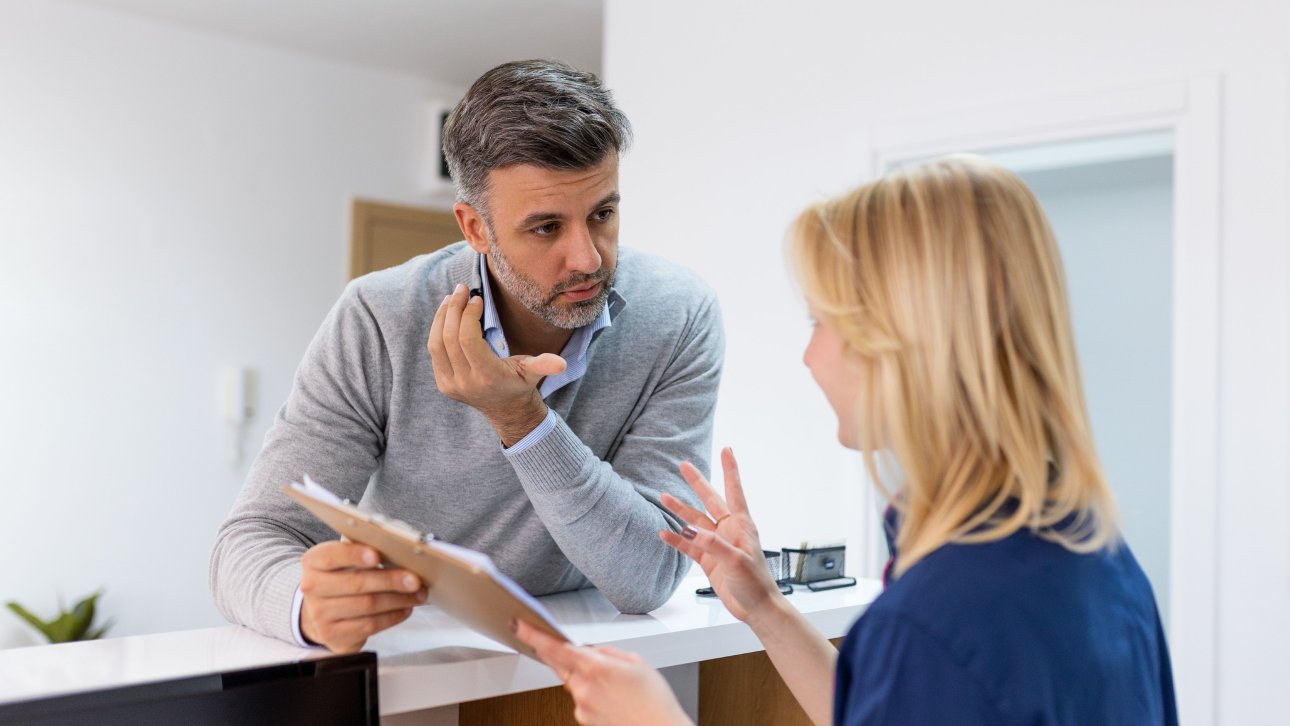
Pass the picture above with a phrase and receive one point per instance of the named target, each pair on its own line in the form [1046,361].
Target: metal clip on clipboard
[390,523]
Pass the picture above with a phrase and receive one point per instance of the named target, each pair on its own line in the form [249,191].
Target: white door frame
[1191,111]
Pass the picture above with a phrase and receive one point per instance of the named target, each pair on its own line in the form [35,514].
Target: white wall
[170,201]
[746,111]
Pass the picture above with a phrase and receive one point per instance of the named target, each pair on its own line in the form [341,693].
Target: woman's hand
[728,549]
[724,544]
[608,686]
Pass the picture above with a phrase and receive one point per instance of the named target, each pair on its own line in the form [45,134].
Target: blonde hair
[945,279]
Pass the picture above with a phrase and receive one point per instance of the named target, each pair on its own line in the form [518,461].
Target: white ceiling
[447,40]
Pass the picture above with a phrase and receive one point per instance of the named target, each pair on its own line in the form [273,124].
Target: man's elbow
[641,601]
[213,582]
[218,577]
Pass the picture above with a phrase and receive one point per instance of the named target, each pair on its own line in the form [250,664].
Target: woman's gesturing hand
[724,541]
[608,686]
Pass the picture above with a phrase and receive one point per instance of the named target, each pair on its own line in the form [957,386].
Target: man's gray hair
[540,112]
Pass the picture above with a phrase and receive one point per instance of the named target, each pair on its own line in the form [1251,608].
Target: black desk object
[333,690]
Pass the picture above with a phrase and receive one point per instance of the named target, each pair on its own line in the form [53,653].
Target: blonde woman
[943,343]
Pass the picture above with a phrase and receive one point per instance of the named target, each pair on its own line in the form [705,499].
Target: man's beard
[543,303]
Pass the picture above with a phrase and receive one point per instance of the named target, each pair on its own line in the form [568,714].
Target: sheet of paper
[316,490]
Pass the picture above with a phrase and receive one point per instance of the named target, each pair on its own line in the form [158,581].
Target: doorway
[1131,182]
[384,235]
[1110,203]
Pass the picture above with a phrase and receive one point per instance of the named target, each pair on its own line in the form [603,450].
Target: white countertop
[429,660]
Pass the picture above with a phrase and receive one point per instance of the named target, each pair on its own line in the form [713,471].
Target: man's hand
[608,686]
[348,598]
[466,369]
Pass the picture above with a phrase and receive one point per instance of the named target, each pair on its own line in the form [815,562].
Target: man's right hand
[348,598]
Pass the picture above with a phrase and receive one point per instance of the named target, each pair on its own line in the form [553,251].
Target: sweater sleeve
[892,672]
[606,514]
[331,428]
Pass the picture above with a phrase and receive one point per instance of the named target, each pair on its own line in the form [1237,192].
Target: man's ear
[472,226]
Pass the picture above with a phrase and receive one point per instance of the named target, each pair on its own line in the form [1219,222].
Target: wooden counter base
[740,690]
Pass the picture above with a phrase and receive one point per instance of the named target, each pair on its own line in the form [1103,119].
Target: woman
[943,343]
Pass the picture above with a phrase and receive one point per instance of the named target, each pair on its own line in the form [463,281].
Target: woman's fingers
[711,500]
[615,654]
[704,542]
[682,545]
[688,514]
[734,485]
[559,655]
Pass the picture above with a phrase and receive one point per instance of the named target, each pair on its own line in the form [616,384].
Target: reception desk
[433,671]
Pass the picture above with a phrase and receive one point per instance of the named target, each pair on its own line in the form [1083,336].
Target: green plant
[70,625]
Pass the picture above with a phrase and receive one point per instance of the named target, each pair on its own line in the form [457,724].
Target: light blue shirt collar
[574,352]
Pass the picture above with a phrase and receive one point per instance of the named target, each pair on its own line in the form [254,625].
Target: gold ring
[719,520]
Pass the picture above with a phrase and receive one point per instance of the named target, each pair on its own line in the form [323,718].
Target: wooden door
[385,235]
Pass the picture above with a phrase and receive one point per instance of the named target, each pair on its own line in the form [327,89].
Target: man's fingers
[452,329]
[711,500]
[337,555]
[384,621]
[434,344]
[688,514]
[348,636]
[533,368]
[734,484]
[470,334]
[335,609]
[358,582]
[347,597]
[547,364]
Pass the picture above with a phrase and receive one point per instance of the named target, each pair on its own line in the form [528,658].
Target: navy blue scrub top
[1018,631]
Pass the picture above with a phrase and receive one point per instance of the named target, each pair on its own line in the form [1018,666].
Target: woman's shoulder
[1014,599]
[1016,575]
[1008,621]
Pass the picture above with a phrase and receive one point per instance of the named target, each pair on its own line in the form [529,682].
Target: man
[527,392]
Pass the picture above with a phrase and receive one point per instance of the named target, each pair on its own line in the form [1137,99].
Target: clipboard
[464,583]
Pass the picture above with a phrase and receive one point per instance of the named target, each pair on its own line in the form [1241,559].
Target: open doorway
[1130,179]
[1110,202]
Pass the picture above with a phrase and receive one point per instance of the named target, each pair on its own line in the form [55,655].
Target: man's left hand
[466,369]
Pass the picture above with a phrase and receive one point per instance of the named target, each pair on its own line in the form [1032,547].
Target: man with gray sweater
[528,392]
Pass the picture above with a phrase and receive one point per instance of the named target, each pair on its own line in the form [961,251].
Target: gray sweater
[580,507]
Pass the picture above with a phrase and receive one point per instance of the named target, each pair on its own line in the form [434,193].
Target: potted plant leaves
[68,625]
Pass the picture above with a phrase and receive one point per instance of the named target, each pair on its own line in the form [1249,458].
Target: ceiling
[446,40]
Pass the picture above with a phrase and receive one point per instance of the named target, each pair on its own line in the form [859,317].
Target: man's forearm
[605,526]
